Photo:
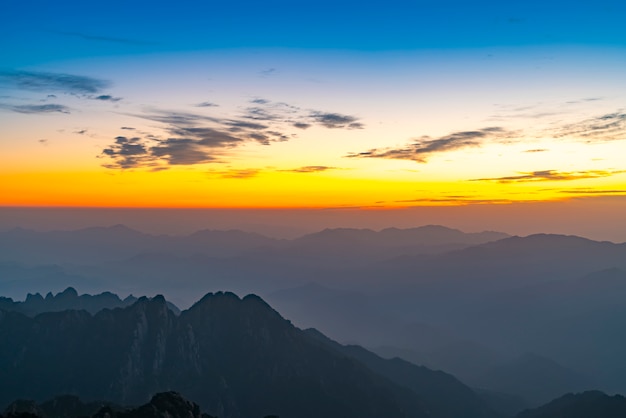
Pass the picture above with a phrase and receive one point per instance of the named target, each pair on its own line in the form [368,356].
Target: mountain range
[234,357]
[482,306]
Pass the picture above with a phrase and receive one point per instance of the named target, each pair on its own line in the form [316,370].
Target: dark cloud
[607,127]
[128,128]
[81,132]
[536,150]
[43,141]
[206,104]
[37,109]
[42,81]
[206,137]
[107,98]
[335,120]
[128,153]
[422,149]
[240,124]
[182,151]
[551,175]
[189,138]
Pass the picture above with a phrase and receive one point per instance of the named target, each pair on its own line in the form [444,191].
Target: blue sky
[36,31]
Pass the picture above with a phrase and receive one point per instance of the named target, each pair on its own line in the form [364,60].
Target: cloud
[182,151]
[43,141]
[551,175]
[38,109]
[536,150]
[188,138]
[310,169]
[268,72]
[188,141]
[284,113]
[422,149]
[128,153]
[206,104]
[336,120]
[80,132]
[237,174]
[456,200]
[128,128]
[107,98]
[607,127]
[42,81]
[594,191]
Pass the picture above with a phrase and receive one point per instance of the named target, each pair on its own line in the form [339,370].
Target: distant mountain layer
[99,244]
[235,357]
[582,405]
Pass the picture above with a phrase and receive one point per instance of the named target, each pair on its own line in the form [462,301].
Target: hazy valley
[513,322]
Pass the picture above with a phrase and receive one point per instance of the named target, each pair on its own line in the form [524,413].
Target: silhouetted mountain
[66,406]
[235,357]
[581,405]
[162,405]
[69,299]
[445,395]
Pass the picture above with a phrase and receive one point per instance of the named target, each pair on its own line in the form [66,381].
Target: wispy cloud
[206,104]
[551,175]
[247,173]
[336,120]
[455,200]
[38,109]
[593,191]
[607,127]
[44,82]
[425,147]
[310,169]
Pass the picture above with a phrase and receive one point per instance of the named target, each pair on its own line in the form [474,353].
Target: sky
[472,108]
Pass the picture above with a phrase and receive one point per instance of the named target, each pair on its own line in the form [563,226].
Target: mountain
[445,395]
[162,405]
[67,299]
[102,244]
[580,405]
[235,357]
[390,242]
